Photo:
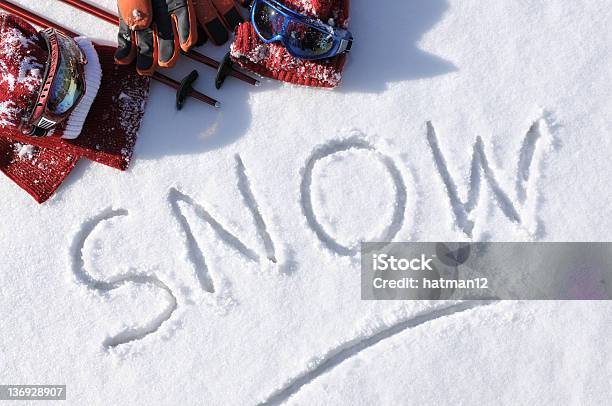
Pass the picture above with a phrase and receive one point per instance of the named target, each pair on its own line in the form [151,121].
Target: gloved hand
[218,18]
[154,31]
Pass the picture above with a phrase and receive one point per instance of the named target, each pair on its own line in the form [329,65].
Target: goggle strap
[38,132]
[345,46]
[49,35]
[45,123]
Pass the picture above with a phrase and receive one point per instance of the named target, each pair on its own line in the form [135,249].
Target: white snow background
[221,269]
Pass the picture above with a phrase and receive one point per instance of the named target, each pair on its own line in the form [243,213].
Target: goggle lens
[269,21]
[307,40]
[68,85]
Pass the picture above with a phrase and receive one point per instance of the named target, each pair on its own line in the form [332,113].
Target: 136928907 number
[25,392]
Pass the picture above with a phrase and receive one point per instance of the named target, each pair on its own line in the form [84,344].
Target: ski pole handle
[193,93]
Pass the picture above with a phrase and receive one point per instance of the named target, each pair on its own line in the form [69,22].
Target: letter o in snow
[339,146]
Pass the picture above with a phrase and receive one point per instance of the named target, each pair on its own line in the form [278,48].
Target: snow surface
[25,151]
[221,268]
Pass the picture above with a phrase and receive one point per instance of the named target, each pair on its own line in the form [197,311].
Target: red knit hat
[115,96]
[273,60]
[23,56]
[22,65]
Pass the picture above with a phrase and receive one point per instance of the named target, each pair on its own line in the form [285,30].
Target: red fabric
[40,174]
[22,59]
[273,60]
[108,136]
[109,132]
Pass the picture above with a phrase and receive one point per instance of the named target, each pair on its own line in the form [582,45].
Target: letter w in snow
[480,168]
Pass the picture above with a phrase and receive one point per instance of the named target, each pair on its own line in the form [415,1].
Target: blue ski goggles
[302,36]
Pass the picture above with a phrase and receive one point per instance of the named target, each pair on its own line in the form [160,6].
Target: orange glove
[218,18]
[154,31]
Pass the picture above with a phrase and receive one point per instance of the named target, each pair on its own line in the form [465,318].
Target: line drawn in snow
[338,355]
[102,287]
[338,146]
[196,253]
[480,169]
[525,158]
[244,185]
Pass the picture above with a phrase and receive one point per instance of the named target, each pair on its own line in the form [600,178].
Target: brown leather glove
[154,31]
[218,18]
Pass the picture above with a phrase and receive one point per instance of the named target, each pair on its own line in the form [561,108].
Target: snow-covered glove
[273,60]
[154,31]
[218,18]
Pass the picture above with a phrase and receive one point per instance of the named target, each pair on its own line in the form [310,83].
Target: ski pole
[43,22]
[222,71]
